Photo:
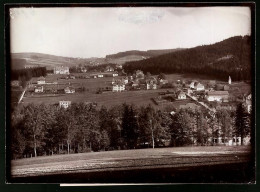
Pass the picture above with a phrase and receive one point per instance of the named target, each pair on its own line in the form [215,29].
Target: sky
[97,32]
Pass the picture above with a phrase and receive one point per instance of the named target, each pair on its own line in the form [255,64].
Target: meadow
[82,166]
[108,99]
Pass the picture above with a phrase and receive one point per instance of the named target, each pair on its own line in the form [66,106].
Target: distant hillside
[135,55]
[21,60]
[229,57]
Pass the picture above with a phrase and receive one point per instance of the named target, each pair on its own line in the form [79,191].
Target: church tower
[229,80]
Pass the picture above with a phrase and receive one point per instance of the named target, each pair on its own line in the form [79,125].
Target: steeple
[229,80]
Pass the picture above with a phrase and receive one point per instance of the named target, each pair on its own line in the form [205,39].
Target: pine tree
[242,127]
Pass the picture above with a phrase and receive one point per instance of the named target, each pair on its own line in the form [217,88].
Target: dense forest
[27,74]
[149,53]
[229,57]
[48,129]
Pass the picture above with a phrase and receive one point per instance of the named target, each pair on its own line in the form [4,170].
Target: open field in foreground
[121,166]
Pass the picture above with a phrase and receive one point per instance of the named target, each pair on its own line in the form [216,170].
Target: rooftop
[210,93]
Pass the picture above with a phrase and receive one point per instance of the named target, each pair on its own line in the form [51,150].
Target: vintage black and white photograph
[131,94]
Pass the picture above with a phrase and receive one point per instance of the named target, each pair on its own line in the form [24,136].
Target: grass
[127,159]
[142,97]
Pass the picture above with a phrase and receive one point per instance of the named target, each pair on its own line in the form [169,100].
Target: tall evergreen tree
[129,126]
[242,127]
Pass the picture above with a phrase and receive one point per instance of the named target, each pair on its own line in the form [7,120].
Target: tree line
[24,75]
[38,130]
[231,57]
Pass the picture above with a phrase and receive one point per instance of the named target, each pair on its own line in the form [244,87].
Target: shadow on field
[227,173]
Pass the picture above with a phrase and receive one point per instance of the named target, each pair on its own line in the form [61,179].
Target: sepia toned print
[131,95]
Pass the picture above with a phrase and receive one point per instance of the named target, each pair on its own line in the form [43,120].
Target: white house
[119,66]
[151,84]
[189,91]
[192,84]
[181,95]
[41,80]
[83,69]
[125,80]
[163,81]
[109,68]
[64,104]
[69,90]
[38,89]
[118,87]
[221,96]
[199,87]
[61,70]
[115,74]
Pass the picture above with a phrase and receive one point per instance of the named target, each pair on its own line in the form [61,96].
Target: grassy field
[107,99]
[141,97]
[130,159]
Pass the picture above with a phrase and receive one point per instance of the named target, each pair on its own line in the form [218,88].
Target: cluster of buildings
[61,70]
[43,86]
[134,82]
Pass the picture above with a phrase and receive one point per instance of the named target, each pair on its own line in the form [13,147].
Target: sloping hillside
[21,60]
[229,57]
[135,55]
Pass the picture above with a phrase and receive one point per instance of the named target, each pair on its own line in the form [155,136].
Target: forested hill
[149,53]
[228,57]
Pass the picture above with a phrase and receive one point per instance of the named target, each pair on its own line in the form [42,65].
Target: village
[193,94]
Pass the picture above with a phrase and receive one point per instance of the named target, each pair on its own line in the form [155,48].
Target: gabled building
[61,70]
[115,74]
[151,83]
[125,80]
[118,87]
[83,69]
[41,80]
[69,89]
[199,87]
[181,95]
[163,81]
[220,96]
[38,89]
[64,104]
[192,84]
[109,68]
[139,74]
[119,66]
